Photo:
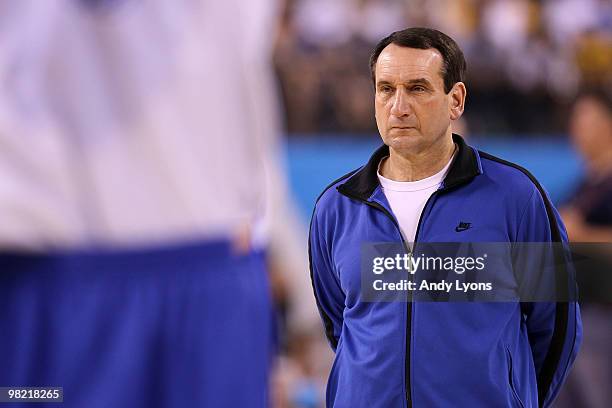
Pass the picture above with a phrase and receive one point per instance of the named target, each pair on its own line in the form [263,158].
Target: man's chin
[404,139]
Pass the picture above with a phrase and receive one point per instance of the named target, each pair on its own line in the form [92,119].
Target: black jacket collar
[362,184]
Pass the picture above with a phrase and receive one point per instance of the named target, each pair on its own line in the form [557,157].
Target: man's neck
[413,166]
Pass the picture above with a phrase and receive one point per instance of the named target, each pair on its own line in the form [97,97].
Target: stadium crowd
[527,59]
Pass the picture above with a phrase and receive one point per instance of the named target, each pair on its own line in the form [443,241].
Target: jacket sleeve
[554,328]
[327,290]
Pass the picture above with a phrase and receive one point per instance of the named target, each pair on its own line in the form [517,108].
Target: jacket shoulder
[514,179]
[330,193]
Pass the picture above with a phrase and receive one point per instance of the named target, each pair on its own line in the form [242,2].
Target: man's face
[413,112]
[591,127]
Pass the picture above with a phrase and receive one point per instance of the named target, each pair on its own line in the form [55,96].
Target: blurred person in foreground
[139,174]
[588,218]
[426,184]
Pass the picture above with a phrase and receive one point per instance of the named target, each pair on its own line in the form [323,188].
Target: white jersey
[126,121]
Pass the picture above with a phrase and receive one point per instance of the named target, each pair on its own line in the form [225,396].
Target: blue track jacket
[439,354]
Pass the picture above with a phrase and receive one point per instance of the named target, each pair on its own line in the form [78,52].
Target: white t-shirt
[407,198]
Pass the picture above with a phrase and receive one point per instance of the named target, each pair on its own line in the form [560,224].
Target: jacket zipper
[408,303]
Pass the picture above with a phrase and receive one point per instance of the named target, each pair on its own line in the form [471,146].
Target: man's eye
[386,89]
[418,88]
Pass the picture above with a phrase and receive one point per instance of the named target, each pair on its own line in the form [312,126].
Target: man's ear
[456,100]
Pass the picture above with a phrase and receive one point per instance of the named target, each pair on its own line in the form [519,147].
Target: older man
[426,184]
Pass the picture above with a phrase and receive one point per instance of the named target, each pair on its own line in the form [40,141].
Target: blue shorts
[182,326]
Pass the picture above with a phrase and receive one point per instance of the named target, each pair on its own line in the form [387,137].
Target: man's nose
[401,103]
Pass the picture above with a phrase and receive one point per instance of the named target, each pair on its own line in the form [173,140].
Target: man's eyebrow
[416,81]
[422,81]
[383,82]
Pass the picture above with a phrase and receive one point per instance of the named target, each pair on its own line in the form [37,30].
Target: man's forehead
[396,61]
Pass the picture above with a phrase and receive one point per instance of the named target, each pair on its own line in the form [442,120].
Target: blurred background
[526,59]
[292,78]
